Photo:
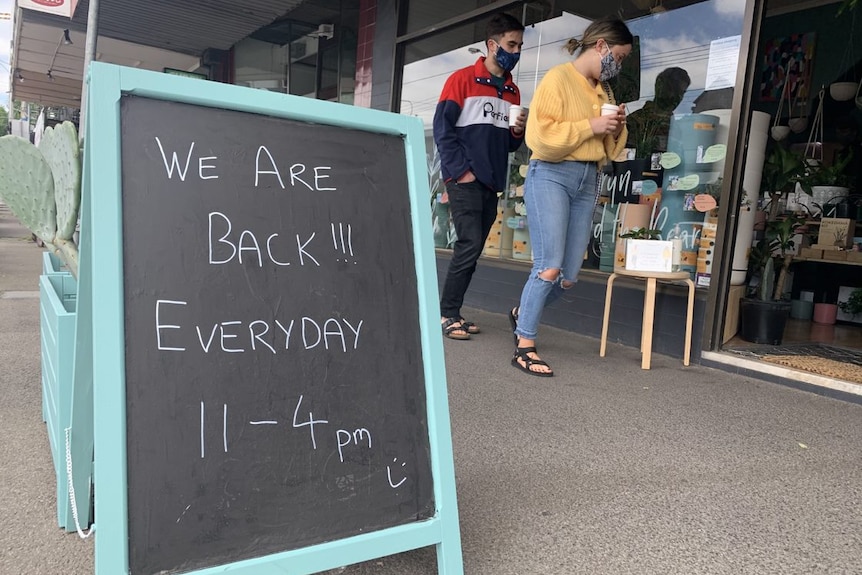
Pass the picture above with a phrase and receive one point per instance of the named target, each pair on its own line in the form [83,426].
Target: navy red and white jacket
[471,126]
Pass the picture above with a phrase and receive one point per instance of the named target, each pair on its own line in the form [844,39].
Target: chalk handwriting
[161,326]
[203,410]
[224,428]
[343,246]
[344,438]
[247,242]
[333,333]
[297,173]
[359,437]
[184,512]
[310,423]
[183,170]
[389,475]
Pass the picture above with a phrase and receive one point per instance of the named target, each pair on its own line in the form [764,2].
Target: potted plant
[824,183]
[853,305]
[642,234]
[781,170]
[764,312]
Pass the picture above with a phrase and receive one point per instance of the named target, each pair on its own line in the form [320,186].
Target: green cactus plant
[42,187]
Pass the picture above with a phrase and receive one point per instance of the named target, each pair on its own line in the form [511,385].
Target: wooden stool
[649,310]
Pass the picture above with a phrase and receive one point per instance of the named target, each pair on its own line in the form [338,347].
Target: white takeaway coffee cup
[514,114]
[610,110]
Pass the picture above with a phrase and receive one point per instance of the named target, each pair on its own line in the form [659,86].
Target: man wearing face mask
[474,138]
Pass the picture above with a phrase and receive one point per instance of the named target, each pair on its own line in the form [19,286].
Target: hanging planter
[777,131]
[842,91]
[845,91]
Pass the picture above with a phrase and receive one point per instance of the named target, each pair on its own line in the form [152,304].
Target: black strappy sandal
[521,353]
[470,327]
[513,321]
[453,325]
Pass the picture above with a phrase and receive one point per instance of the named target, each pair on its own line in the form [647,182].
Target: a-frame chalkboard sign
[267,364]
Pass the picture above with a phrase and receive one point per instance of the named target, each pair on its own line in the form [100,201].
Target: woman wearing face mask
[569,139]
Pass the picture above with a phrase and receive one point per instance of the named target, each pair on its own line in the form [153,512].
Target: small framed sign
[649,255]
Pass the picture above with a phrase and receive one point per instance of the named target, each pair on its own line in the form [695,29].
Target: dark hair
[612,30]
[501,23]
[671,84]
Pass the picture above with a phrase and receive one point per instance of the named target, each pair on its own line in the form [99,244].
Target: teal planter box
[58,303]
[51,264]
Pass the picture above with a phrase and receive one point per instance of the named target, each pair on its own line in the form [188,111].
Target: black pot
[763,321]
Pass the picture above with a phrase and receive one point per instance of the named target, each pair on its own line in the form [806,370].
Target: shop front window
[677,86]
[311,52]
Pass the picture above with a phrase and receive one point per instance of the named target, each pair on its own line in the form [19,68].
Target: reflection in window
[678,93]
[309,52]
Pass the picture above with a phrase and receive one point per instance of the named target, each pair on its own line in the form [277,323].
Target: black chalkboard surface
[275,393]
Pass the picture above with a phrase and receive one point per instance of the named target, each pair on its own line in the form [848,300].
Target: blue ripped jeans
[560,199]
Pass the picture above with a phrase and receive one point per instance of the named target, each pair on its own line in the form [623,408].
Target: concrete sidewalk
[603,469]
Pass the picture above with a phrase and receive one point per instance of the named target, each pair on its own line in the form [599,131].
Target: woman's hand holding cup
[612,120]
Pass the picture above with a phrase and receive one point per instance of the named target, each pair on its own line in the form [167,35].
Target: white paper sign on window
[723,61]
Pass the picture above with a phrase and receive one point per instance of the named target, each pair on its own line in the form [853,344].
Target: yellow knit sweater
[558,125]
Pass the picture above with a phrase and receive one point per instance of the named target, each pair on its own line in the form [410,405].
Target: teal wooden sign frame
[101,329]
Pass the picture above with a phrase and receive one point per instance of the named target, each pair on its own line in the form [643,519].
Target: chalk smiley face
[389,474]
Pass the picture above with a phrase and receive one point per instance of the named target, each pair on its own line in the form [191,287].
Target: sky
[5,43]
[680,38]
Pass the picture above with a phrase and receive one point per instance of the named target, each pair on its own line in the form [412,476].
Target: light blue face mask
[610,67]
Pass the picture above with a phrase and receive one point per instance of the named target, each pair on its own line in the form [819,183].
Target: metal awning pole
[89,54]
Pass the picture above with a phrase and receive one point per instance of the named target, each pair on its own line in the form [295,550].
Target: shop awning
[152,35]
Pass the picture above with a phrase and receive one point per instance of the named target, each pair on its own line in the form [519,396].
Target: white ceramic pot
[797,125]
[780,132]
[822,194]
[842,91]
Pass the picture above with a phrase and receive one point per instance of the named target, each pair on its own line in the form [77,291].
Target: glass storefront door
[677,87]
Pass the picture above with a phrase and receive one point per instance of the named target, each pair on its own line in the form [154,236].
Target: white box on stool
[649,255]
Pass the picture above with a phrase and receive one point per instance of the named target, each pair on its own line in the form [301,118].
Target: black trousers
[474,209]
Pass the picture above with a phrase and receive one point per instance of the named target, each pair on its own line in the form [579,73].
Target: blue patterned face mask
[610,67]
[506,60]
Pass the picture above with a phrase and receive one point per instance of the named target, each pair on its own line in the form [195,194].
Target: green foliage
[4,121]
[846,6]
[782,169]
[714,189]
[774,254]
[642,234]
[853,305]
[767,280]
[59,146]
[820,175]
[435,178]
[27,186]
[42,187]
